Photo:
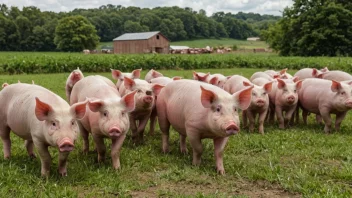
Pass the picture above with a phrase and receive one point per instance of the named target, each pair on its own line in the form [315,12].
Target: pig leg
[45,157]
[183,146]
[261,119]
[115,151]
[339,118]
[244,118]
[133,126]
[297,114]
[141,127]
[164,125]
[327,119]
[197,147]
[5,137]
[152,122]
[99,143]
[251,118]
[318,119]
[68,92]
[280,118]
[289,115]
[63,163]
[304,116]
[219,145]
[29,146]
[272,114]
[85,135]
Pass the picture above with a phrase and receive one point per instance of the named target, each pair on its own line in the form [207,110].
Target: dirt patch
[240,187]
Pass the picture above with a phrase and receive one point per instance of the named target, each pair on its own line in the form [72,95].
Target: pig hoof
[32,156]
[64,174]
[7,157]
[221,172]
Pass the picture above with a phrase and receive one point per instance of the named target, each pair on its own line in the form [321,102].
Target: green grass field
[200,43]
[299,161]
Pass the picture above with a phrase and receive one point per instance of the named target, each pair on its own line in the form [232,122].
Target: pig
[283,97]
[5,85]
[75,76]
[152,74]
[203,77]
[106,116]
[308,73]
[284,75]
[272,73]
[261,75]
[119,76]
[325,97]
[145,100]
[41,118]
[218,80]
[336,75]
[198,110]
[161,81]
[259,103]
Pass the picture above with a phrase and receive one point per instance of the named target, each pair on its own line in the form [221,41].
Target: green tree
[75,33]
[131,27]
[313,28]
[9,35]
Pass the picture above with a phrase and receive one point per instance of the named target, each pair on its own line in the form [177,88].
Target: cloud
[274,7]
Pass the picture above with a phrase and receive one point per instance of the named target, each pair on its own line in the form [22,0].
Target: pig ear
[295,79]
[42,110]
[299,84]
[177,78]
[280,83]
[129,83]
[157,88]
[246,84]
[320,75]
[325,69]
[116,74]
[136,73]
[283,71]
[195,75]
[79,109]
[243,97]
[349,82]
[228,77]
[314,72]
[335,86]
[5,85]
[214,81]
[156,74]
[276,76]
[95,105]
[207,97]
[128,101]
[268,86]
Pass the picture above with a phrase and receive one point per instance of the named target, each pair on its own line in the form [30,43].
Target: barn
[143,42]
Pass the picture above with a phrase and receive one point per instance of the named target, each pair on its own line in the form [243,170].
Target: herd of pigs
[206,107]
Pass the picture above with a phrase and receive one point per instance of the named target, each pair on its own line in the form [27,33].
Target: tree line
[31,29]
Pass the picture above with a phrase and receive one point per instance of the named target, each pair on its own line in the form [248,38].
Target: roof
[136,36]
[174,47]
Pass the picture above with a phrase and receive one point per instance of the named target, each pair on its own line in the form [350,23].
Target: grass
[200,43]
[299,161]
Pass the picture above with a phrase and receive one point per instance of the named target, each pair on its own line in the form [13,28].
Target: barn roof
[136,36]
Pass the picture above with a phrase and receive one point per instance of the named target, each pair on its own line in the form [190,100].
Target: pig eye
[72,123]
[295,91]
[254,94]
[342,93]
[235,109]
[105,114]
[218,109]
[123,113]
[54,124]
[264,94]
[139,91]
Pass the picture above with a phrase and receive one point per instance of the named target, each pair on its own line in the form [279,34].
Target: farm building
[144,42]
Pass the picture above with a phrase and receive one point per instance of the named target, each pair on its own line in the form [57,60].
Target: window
[157,37]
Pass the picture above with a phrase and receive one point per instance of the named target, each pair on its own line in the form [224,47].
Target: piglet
[106,117]
[152,74]
[198,110]
[308,73]
[119,76]
[325,97]
[41,118]
[72,79]
[259,103]
[335,75]
[145,99]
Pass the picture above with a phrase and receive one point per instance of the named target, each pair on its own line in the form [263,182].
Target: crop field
[295,162]
[39,62]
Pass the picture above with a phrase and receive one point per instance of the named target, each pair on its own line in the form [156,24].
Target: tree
[75,33]
[9,35]
[313,28]
[131,27]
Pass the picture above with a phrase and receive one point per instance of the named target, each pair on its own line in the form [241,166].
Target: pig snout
[148,99]
[291,99]
[65,145]
[260,102]
[348,103]
[232,129]
[114,132]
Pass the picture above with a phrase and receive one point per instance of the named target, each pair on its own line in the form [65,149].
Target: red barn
[143,42]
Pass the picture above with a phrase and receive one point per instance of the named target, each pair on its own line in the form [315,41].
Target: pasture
[295,162]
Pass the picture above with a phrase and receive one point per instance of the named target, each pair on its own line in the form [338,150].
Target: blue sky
[210,6]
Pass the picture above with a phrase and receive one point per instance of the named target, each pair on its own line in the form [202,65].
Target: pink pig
[119,76]
[198,110]
[106,117]
[308,73]
[41,118]
[145,99]
[152,74]
[336,75]
[325,97]
[72,79]
[259,103]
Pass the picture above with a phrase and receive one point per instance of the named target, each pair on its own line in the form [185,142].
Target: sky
[274,7]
